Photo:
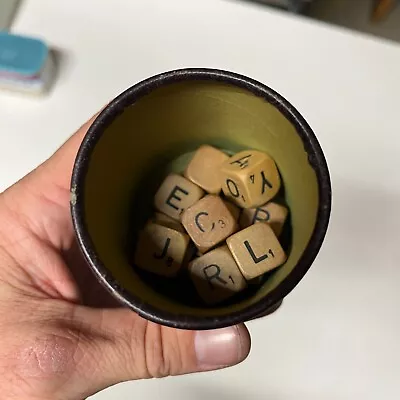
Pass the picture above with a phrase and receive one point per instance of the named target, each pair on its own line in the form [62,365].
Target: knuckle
[163,357]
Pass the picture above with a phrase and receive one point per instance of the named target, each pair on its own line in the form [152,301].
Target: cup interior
[152,129]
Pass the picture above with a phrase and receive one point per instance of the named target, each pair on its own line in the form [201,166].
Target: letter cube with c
[250,178]
[209,222]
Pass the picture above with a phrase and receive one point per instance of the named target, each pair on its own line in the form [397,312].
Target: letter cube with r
[216,276]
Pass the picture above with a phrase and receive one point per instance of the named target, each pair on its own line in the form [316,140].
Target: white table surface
[337,336]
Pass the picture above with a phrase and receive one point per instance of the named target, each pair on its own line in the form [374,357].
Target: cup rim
[130,96]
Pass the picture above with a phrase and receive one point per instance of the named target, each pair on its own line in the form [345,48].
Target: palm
[42,206]
[64,335]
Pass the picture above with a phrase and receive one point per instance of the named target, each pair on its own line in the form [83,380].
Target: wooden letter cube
[256,281]
[272,213]
[235,210]
[161,250]
[250,178]
[204,167]
[165,220]
[209,222]
[175,195]
[256,250]
[216,276]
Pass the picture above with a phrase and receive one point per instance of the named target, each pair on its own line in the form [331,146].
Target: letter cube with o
[250,178]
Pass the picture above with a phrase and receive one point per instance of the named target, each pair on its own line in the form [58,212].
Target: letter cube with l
[175,195]
[256,250]
[250,178]
[216,276]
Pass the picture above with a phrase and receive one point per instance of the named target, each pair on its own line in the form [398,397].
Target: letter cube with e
[273,213]
[256,250]
[161,250]
[250,178]
[209,222]
[216,276]
[175,195]
[204,167]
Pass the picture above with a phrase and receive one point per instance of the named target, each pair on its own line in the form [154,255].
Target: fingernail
[221,347]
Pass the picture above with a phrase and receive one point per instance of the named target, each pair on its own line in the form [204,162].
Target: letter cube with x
[250,178]
[209,222]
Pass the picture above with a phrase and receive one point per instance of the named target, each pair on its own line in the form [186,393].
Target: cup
[152,129]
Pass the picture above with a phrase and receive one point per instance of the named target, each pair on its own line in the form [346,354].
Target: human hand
[63,337]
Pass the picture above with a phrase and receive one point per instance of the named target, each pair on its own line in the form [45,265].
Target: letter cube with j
[256,250]
[216,276]
[250,178]
[175,195]
[161,250]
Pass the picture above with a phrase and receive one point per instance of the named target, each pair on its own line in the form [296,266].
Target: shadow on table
[364,222]
[194,392]
[63,62]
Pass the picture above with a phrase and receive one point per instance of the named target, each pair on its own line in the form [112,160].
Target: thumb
[121,346]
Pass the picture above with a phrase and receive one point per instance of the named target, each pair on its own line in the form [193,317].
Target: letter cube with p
[250,178]
[272,213]
[175,195]
[216,276]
